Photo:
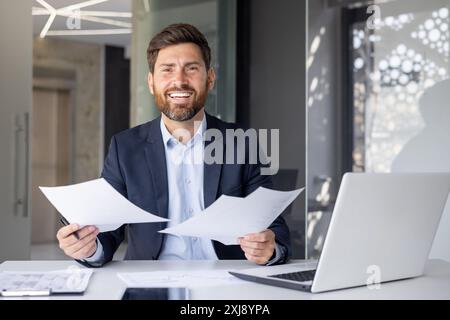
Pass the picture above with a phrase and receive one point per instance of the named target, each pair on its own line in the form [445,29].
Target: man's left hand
[258,247]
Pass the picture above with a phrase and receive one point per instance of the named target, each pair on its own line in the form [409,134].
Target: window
[394,61]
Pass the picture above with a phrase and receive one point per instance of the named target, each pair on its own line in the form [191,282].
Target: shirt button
[188,181]
[191,210]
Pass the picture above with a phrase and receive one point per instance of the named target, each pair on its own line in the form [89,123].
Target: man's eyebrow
[192,63]
[166,65]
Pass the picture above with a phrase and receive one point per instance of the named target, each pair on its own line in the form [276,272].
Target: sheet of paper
[173,279]
[73,280]
[231,217]
[96,203]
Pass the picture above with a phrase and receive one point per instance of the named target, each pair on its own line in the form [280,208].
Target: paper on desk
[173,278]
[229,218]
[72,280]
[96,203]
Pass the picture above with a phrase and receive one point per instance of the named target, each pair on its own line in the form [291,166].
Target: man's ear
[211,78]
[150,83]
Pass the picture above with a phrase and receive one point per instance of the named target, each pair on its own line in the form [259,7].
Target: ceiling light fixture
[107,14]
[50,20]
[111,22]
[88,32]
[74,11]
[39,11]
[113,14]
[80,5]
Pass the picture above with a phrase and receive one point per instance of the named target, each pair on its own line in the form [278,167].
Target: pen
[66,223]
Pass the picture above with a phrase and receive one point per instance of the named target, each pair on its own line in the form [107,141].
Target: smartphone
[156,294]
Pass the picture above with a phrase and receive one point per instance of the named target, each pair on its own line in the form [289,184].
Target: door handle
[21,163]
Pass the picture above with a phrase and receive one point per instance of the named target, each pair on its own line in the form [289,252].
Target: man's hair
[177,34]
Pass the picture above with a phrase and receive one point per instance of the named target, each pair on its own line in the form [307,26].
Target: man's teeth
[180,95]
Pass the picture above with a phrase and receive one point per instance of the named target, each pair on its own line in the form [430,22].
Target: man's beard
[181,112]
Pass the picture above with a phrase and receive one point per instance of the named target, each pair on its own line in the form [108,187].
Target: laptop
[382,229]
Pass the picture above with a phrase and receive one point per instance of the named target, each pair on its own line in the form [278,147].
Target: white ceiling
[60,22]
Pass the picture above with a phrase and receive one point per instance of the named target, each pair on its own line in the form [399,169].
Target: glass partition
[401,94]
[379,92]
[400,75]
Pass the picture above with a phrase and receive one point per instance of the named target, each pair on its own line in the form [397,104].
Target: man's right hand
[74,248]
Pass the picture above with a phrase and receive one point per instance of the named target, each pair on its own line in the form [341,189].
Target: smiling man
[152,166]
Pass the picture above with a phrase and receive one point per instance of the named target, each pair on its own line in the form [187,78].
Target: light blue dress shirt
[185,181]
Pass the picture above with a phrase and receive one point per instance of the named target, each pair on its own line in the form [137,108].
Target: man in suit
[151,165]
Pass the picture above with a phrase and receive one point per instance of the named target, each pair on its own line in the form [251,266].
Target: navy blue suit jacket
[136,167]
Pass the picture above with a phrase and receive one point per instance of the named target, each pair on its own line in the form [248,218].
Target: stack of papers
[96,203]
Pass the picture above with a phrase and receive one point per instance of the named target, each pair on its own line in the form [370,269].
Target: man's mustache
[182,88]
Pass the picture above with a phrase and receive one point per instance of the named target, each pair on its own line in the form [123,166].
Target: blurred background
[353,85]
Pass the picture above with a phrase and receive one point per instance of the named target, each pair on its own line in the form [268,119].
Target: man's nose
[180,78]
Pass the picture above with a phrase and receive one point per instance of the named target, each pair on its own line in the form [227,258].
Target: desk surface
[105,284]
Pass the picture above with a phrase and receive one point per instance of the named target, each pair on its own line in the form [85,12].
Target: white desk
[105,285]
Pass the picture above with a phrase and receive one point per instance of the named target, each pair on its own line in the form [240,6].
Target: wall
[117,93]
[15,105]
[325,90]
[50,153]
[85,61]
[324,94]
[277,90]
[423,136]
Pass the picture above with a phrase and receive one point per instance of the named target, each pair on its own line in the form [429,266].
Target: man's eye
[165,70]
[193,68]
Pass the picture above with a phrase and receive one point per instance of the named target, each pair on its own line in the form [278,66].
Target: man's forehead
[179,52]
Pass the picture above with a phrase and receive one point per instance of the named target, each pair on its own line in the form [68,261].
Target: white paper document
[229,218]
[96,203]
[174,279]
[73,280]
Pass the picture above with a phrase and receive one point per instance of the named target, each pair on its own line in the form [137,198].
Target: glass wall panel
[378,99]
[401,72]
[401,93]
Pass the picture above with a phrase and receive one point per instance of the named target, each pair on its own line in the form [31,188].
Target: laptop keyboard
[301,276]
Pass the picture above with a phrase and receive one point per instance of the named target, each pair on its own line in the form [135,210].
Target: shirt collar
[169,139]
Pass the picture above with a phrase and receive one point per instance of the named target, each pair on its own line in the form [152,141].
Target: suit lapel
[156,161]
[211,172]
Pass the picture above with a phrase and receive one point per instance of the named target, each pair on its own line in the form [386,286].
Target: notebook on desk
[29,283]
